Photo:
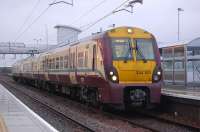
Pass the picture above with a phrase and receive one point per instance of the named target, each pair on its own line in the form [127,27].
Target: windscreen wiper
[140,53]
[129,50]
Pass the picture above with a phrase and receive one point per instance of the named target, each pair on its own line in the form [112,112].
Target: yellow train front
[132,64]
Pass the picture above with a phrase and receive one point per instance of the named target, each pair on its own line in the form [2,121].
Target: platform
[183,100]
[182,92]
[17,117]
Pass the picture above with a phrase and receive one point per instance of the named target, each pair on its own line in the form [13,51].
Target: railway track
[127,118]
[49,107]
[60,111]
[151,120]
[177,122]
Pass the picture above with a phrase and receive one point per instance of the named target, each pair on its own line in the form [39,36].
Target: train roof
[89,38]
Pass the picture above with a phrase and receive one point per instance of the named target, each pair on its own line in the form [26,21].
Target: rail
[47,106]
[126,117]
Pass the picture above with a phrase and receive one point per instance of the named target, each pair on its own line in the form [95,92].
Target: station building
[181,63]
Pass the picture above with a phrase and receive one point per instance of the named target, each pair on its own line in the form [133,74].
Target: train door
[72,58]
[99,60]
[47,67]
[94,58]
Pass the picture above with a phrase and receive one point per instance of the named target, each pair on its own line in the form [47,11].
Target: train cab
[135,65]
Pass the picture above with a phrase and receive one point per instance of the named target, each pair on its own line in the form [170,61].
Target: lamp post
[179,10]
[37,43]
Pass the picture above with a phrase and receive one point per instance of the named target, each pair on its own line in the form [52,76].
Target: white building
[66,34]
[181,62]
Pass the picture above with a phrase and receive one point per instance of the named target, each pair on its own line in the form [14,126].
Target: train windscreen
[121,49]
[144,49]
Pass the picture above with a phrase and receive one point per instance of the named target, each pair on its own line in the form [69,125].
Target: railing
[197,68]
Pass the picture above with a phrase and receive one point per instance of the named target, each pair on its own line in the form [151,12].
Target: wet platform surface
[182,92]
[17,117]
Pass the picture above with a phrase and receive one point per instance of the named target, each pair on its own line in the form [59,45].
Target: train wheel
[72,93]
[94,98]
[128,107]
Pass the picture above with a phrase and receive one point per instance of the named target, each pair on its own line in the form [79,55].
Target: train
[119,67]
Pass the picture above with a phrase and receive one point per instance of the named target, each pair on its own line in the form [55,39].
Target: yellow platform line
[3,127]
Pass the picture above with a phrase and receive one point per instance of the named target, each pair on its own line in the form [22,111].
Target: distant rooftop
[67,26]
[195,41]
[163,45]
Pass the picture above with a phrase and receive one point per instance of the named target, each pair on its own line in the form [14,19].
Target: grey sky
[156,16]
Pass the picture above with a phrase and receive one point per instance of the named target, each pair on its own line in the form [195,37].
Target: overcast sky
[156,16]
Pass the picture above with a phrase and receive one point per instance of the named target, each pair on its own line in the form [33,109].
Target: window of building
[179,65]
[167,52]
[178,51]
[167,65]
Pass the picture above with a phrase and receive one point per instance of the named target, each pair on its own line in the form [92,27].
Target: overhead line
[107,15]
[29,16]
[35,20]
[88,11]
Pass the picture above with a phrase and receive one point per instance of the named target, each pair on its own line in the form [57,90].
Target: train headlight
[130,30]
[155,78]
[159,73]
[111,73]
[114,78]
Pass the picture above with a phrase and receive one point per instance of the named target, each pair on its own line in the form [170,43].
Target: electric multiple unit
[119,67]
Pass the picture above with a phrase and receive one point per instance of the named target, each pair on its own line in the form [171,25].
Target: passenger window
[74,60]
[86,58]
[80,59]
[61,62]
[53,63]
[57,63]
[50,63]
[43,65]
[66,59]
[94,58]
[71,60]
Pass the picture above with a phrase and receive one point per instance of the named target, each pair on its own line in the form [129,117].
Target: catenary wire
[100,19]
[34,21]
[88,12]
[29,16]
